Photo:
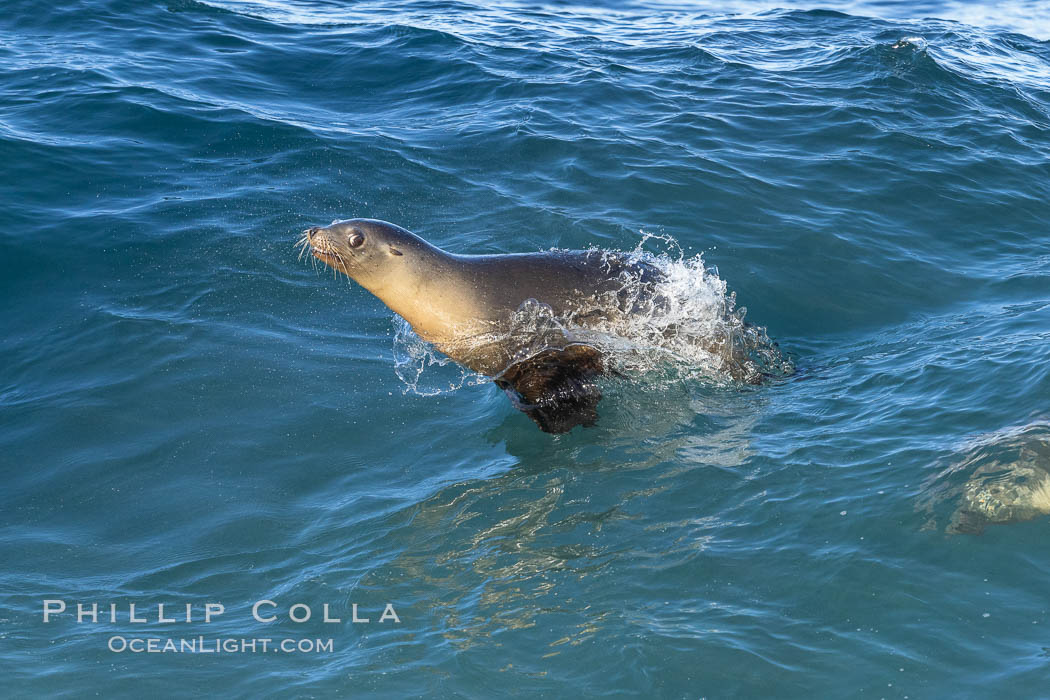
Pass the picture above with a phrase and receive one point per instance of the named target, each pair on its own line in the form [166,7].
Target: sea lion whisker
[302,244]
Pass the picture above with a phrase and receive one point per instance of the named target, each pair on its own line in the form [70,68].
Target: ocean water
[191,415]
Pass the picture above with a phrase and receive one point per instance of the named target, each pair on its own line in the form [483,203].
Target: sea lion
[1011,481]
[996,478]
[470,307]
[1002,493]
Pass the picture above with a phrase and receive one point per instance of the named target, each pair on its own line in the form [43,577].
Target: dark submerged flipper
[967,522]
[556,388]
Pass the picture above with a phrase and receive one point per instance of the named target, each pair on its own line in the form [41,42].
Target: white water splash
[424,370]
[915,43]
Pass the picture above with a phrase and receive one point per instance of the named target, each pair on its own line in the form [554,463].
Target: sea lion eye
[356,240]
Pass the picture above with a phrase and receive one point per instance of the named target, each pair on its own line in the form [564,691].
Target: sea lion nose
[311,232]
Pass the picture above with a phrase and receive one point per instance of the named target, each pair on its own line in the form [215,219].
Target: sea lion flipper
[967,522]
[556,388]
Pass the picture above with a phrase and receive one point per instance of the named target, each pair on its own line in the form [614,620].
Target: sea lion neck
[424,286]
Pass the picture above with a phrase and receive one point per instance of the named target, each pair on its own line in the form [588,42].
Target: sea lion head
[382,257]
[359,247]
[408,274]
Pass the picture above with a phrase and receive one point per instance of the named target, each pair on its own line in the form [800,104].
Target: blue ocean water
[191,415]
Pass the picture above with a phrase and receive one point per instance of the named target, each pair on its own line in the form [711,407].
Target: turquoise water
[192,415]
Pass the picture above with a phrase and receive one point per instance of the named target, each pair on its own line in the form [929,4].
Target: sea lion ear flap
[395,251]
[556,388]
